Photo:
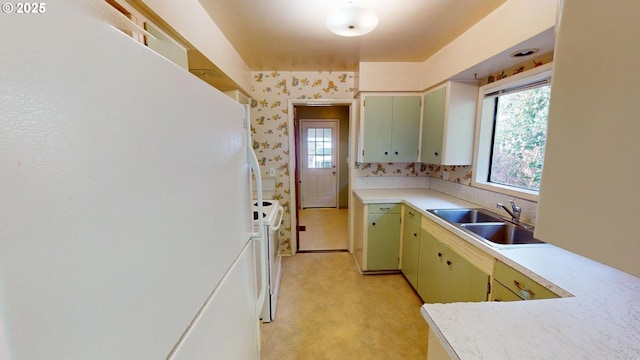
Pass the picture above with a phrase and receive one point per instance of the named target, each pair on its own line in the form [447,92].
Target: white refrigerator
[125,220]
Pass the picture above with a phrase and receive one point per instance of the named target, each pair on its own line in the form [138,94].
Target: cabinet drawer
[384,208]
[413,214]
[500,292]
[520,284]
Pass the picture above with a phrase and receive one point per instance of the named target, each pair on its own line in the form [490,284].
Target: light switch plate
[445,175]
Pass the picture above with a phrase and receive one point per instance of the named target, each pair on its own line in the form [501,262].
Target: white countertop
[599,317]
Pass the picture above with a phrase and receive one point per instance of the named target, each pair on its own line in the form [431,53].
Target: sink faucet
[515,212]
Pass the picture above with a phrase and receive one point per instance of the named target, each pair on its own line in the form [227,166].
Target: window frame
[484,134]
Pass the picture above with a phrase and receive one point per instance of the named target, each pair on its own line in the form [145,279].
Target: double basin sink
[488,226]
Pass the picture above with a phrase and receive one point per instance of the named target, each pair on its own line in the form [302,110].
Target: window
[319,148]
[513,132]
[519,136]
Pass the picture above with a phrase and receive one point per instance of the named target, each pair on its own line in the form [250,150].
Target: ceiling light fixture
[524,52]
[205,73]
[352,21]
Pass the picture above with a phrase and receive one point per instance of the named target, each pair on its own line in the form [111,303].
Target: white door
[318,160]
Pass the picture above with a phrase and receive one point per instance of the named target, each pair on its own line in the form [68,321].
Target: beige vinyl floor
[327,310]
[326,229]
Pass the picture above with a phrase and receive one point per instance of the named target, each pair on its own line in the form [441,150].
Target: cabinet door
[359,226]
[383,241]
[410,251]
[431,276]
[466,282]
[433,126]
[378,115]
[404,132]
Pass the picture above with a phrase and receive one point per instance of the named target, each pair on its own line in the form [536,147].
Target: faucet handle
[514,207]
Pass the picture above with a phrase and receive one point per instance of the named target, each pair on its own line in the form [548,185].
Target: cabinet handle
[374,224]
[439,254]
[448,262]
[412,214]
[396,153]
[386,153]
[385,208]
[415,235]
[435,153]
[522,288]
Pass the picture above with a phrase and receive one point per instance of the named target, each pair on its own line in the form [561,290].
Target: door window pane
[319,148]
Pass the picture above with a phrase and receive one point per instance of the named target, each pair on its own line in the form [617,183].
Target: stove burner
[264,203]
[255,215]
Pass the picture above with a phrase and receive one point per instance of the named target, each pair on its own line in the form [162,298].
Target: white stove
[269,210]
[272,218]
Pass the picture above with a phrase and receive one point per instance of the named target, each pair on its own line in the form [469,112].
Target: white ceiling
[292,35]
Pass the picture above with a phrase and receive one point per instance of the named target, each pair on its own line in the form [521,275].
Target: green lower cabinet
[431,282]
[383,237]
[466,283]
[444,276]
[410,251]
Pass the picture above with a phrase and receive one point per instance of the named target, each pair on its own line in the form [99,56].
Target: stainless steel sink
[463,216]
[503,234]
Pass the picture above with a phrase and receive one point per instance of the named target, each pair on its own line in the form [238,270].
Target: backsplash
[486,199]
[456,173]
[460,174]
[270,93]
[416,175]
[391,182]
[391,169]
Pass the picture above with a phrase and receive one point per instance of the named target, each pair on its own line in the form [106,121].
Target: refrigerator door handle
[259,236]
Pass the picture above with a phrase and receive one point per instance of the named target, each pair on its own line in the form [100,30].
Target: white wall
[191,21]
[390,76]
[589,198]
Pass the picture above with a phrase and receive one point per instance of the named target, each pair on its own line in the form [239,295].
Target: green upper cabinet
[376,128]
[406,128]
[390,128]
[433,125]
[448,124]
